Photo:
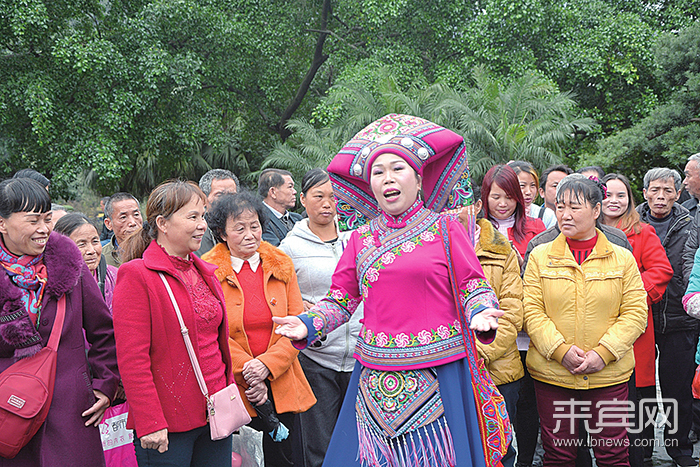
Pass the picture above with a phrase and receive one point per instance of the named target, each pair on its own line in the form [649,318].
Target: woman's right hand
[257,393]
[156,440]
[291,327]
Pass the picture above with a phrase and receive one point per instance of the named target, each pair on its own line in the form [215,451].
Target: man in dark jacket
[692,186]
[276,188]
[675,332]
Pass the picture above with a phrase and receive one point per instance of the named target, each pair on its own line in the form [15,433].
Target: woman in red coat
[504,206]
[619,211]
[167,408]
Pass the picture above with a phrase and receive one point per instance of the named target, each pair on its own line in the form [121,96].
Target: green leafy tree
[672,131]
[527,120]
[136,92]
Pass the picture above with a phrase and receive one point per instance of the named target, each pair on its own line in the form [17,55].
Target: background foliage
[121,94]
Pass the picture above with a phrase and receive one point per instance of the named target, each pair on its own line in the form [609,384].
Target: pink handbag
[226,410]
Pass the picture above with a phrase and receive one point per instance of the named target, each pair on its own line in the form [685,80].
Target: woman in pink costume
[410,400]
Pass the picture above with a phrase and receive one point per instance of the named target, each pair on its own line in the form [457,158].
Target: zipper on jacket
[664,319]
[336,255]
[347,347]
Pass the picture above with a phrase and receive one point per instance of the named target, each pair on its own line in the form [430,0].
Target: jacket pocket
[604,289]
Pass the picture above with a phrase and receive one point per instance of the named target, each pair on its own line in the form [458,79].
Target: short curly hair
[230,206]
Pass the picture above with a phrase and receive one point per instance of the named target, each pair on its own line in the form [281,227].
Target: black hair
[23,195]
[549,170]
[312,178]
[270,178]
[34,175]
[115,198]
[476,190]
[230,206]
[593,168]
[582,188]
[69,223]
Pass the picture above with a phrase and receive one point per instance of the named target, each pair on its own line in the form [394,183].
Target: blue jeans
[510,392]
[192,448]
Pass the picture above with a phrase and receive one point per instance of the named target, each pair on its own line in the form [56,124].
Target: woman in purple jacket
[38,267]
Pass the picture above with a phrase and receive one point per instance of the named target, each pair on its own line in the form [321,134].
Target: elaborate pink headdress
[436,153]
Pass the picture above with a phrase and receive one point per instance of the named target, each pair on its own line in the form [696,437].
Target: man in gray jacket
[692,186]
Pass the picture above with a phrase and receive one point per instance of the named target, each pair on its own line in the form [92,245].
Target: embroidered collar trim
[398,222]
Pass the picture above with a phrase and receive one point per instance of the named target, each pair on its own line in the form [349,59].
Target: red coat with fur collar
[64,438]
[656,273]
[290,390]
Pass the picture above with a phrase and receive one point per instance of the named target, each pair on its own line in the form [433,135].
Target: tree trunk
[318,60]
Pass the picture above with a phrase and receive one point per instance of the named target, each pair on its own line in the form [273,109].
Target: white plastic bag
[248,444]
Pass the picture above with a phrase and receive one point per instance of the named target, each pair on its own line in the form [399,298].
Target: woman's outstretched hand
[486,320]
[291,327]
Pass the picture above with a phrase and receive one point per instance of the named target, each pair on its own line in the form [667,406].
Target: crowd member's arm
[691,299]
[102,355]
[632,316]
[281,354]
[510,300]
[691,246]
[657,269]
[543,333]
[132,329]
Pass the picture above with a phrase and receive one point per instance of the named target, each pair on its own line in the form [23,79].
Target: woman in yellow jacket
[259,282]
[585,305]
[499,261]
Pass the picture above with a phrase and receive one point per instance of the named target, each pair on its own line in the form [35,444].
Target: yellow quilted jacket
[599,305]
[500,264]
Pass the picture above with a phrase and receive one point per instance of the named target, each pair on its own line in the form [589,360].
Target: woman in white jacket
[315,246]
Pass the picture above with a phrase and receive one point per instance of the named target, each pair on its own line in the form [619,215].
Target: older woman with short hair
[585,306]
[259,282]
[78,228]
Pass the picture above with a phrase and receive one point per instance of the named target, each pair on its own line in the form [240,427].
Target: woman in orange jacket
[259,282]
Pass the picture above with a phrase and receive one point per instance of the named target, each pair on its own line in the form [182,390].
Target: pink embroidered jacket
[398,266]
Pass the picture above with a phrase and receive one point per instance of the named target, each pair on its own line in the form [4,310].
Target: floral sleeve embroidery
[334,310]
[477,296]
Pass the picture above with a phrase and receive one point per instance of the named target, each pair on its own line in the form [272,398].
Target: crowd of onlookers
[236,258]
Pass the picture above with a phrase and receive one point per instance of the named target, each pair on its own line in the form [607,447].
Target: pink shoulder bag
[225,408]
